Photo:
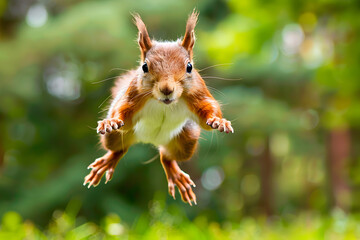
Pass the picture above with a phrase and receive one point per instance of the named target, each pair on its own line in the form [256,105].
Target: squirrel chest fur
[158,123]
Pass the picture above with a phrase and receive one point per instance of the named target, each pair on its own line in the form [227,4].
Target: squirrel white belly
[158,123]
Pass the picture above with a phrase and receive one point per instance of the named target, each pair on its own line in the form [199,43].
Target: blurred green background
[290,171]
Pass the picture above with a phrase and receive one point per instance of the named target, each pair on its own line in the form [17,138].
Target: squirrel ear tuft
[143,38]
[189,38]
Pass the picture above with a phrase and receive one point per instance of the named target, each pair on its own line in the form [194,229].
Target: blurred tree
[339,153]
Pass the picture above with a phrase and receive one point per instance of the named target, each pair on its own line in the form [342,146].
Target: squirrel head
[166,67]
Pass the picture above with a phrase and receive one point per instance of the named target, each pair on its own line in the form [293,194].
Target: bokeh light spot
[63,81]
[36,16]
[115,229]
[212,178]
[309,119]
[292,38]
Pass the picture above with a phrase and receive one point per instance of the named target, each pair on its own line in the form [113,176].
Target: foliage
[169,223]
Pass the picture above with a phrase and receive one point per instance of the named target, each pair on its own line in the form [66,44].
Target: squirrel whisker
[104,101]
[216,65]
[217,90]
[104,80]
[122,69]
[220,78]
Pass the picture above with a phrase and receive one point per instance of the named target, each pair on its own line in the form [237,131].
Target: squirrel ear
[143,38]
[189,38]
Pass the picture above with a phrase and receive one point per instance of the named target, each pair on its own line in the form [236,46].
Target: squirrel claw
[221,124]
[183,182]
[99,167]
[107,125]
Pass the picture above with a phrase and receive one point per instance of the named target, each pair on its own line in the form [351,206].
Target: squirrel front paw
[221,124]
[107,125]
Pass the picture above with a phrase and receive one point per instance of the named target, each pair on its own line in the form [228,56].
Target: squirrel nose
[167,91]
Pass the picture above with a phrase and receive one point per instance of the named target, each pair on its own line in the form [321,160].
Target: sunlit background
[286,73]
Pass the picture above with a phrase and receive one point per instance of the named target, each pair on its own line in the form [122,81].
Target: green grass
[160,224]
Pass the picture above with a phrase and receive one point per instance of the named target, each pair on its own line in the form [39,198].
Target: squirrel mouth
[167,100]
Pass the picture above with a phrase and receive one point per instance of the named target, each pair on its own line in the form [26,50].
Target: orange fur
[143,38]
[189,38]
[167,88]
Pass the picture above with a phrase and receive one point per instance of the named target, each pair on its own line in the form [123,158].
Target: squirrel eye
[188,68]
[145,67]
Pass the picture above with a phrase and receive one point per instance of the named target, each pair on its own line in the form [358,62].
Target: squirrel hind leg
[117,143]
[181,148]
[176,177]
[106,163]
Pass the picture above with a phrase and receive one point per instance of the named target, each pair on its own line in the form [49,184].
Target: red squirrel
[163,102]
